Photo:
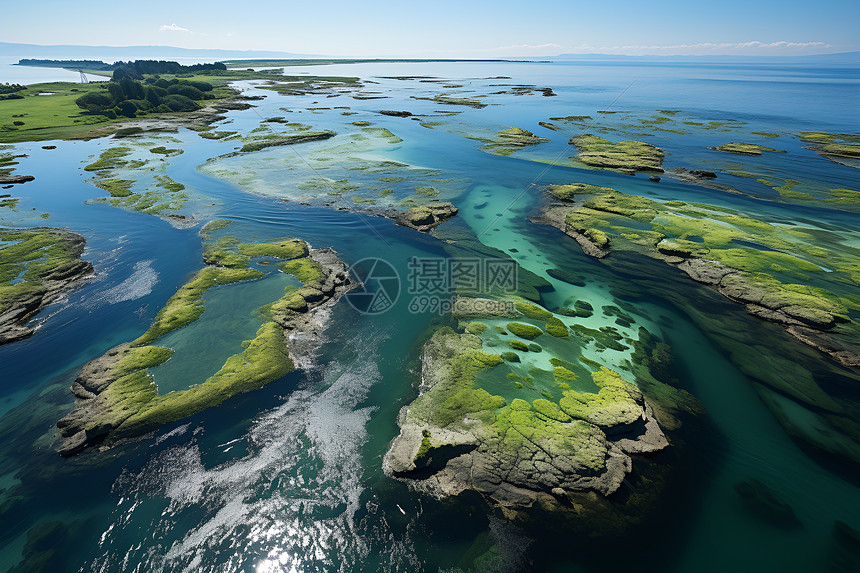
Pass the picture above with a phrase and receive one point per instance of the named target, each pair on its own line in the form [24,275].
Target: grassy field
[40,117]
[56,116]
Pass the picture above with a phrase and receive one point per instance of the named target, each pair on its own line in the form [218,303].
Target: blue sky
[445,28]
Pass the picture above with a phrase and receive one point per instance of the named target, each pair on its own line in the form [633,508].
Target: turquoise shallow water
[288,478]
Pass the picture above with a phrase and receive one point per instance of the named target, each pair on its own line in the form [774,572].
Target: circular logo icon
[379,286]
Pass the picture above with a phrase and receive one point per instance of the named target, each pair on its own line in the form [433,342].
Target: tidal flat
[266,348]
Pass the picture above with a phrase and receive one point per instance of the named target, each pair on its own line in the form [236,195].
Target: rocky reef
[838,147]
[456,437]
[37,266]
[745,148]
[116,398]
[623,156]
[522,436]
[747,260]
[424,217]
[509,140]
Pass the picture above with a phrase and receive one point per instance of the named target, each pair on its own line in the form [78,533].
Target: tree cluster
[7,91]
[129,97]
[77,64]
[139,68]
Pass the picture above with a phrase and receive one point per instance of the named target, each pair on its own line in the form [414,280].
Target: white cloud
[174,28]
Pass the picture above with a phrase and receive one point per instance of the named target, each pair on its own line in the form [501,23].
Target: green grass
[307,270]
[286,249]
[50,116]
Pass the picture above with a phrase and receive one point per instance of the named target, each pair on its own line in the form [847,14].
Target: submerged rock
[765,504]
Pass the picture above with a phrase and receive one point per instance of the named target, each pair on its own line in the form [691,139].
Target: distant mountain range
[113,53]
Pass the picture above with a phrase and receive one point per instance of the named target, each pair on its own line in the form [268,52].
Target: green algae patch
[162,150]
[623,156]
[445,99]
[307,270]
[36,266]
[532,310]
[518,345]
[476,328]
[382,133]
[527,442]
[826,137]
[781,273]
[557,328]
[842,148]
[169,184]
[185,306]
[746,148]
[264,359]
[116,394]
[287,249]
[268,141]
[526,331]
[116,187]
[110,158]
[614,405]
[510,140]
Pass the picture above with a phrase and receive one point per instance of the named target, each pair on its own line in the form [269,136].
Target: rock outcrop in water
[37,266]
[625,156]
[424,217]
[456,436]
[115,396]
[740,257]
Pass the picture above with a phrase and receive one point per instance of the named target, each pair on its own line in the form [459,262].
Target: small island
[116,398]
[37,266]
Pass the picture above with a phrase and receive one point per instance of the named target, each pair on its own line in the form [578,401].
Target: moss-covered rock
[36,267]
[556,327]
[116,398]
[624,156]
[746,148]
[512,451]
[779,273]
[526,331]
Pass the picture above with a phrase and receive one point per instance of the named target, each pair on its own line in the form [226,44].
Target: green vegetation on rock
[526,331]
[623,156]
[746,148]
